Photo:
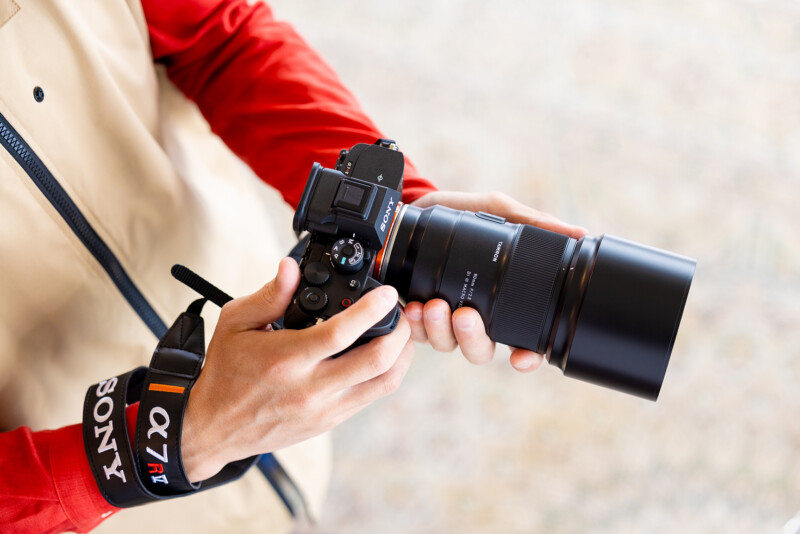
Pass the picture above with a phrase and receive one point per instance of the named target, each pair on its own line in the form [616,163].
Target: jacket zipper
[65,206]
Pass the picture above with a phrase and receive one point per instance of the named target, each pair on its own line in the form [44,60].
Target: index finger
[517,212]
[343,329]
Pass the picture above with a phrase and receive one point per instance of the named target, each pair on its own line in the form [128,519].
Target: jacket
[134,110]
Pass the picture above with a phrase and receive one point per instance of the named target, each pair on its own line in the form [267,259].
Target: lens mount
[385,253]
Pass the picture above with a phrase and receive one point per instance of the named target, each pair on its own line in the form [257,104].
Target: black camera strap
[267,463]
[105,436]
[175,366]
[152,470]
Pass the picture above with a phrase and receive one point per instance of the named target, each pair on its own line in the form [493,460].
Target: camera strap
[267,463]
[152,469]
[105,436]
[175,366]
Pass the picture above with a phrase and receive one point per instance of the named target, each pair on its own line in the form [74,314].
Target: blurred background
[676,124]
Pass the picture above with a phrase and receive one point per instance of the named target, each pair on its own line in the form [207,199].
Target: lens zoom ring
[527,288]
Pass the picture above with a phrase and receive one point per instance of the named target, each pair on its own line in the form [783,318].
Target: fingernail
[389,294]
[434,315]
[464,323]
[581,230]
[415,314]
[525,364]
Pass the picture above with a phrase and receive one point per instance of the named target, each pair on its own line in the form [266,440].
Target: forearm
[47,484]
[264,91]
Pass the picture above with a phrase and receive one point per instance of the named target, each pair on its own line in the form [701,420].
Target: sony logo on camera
[387,216]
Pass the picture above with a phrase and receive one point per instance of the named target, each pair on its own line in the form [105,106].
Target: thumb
[269,303]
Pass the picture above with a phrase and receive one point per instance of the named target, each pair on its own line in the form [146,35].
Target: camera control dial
[347,255]
[316,273]
[312,300]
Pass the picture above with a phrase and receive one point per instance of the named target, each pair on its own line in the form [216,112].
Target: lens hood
[620,314]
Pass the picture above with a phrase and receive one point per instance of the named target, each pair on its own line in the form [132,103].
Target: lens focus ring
[527,289]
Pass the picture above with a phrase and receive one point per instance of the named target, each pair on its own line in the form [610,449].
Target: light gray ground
[675,124]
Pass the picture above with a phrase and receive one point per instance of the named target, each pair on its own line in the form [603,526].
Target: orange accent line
[166,389]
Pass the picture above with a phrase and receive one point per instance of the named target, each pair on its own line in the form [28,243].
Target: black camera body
[348,212]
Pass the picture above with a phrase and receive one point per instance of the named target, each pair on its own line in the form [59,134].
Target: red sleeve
[47,484]
[264,91]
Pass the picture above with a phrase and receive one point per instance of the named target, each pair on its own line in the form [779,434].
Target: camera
[604,309]
[348,213]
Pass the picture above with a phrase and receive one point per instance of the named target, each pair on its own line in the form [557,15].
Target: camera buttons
[312,300]
[316,273]
[346,303]
[354,284]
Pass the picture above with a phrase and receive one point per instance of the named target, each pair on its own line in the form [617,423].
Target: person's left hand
[433,322]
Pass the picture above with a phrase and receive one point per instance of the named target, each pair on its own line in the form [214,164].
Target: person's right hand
[261,390]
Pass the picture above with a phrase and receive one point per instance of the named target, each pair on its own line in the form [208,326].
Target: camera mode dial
[347,255]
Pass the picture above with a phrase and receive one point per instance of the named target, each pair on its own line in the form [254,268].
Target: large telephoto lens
[604,309]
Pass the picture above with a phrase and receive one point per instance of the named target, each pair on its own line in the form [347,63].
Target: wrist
[199,449]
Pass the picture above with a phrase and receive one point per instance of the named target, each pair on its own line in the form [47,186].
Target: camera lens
[605,310]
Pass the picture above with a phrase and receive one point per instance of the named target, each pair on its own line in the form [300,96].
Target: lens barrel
[605,310]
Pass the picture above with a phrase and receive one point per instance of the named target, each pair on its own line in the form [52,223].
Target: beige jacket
[142,166]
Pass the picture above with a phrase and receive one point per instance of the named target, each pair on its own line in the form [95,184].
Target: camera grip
[332,280]
[381,328]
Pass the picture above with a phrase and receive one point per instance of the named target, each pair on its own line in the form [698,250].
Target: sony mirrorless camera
[603,309]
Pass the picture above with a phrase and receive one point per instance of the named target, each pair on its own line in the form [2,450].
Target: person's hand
[433,321]
[261,390]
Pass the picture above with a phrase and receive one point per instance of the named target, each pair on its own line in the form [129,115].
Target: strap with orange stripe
[173,370]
